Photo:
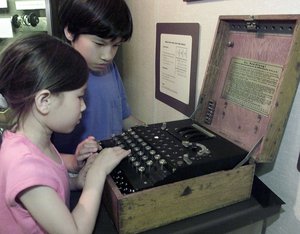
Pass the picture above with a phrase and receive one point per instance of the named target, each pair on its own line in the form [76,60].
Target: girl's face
[98,52]
[67,110]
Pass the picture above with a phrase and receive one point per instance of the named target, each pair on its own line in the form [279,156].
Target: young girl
[43,81]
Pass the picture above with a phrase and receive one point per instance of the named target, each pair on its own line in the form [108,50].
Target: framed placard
[3,3]
[176,65]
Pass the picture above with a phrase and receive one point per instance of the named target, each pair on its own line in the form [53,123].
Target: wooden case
[250,83]
[5,117]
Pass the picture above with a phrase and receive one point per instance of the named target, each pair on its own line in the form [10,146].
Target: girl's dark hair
[108,19]
[35,62]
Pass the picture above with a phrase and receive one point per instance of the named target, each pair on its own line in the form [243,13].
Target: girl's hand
[103,163]
[85,149]
[79,180]
[108,159]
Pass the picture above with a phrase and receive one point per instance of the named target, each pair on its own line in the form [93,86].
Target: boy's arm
[132,121]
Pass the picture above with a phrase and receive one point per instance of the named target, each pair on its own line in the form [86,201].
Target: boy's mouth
[101,66]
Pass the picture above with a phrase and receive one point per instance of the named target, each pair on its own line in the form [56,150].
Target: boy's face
[98,52]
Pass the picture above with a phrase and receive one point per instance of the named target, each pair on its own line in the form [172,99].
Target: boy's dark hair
[35,62]
[108,19]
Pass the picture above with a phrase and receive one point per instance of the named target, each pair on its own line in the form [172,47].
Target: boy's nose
[107,54]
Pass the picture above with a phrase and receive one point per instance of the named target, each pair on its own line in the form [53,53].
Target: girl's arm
[74,162]
[70,162]
[52,214]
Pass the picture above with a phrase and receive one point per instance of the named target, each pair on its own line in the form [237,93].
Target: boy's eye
[104,44]
[99,43]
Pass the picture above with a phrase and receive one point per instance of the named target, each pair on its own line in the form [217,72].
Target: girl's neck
[39,135]
[34,130]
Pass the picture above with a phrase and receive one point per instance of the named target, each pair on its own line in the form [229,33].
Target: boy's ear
[43,101]
[68,34]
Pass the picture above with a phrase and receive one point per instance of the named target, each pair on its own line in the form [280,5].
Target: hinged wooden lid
[251,80]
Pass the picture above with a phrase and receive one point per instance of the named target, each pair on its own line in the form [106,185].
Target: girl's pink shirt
[23,165]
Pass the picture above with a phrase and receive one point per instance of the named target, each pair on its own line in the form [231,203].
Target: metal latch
[251,24]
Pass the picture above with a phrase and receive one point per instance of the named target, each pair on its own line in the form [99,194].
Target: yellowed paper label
[252,84]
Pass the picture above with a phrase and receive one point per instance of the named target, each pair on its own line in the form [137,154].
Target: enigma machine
[184,168]
[168,152]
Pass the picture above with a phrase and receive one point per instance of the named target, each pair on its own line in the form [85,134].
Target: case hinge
[210,111]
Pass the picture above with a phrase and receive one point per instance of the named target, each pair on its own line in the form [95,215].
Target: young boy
[96,28]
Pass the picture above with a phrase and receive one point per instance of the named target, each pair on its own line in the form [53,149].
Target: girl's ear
[68,34]
[43,101]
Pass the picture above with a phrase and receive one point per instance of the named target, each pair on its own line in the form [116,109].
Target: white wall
[138,69]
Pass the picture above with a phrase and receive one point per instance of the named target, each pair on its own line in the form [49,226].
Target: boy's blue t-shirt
[106,107]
